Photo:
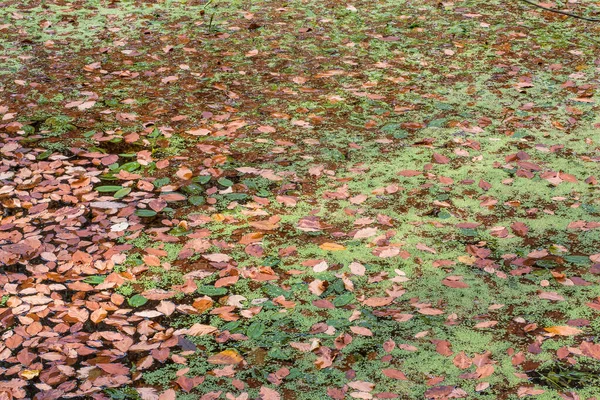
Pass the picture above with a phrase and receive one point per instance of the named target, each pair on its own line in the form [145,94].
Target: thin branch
[562,12]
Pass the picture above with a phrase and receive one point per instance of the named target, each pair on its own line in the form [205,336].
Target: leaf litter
[343,201]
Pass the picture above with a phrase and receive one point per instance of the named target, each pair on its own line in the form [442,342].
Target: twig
[562,12]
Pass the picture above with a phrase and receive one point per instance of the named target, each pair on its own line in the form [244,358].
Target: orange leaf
[430,311]
[227,281]
[98,315]
[202,304]
[332,247]
[251,238]
[563,330]
[226,357]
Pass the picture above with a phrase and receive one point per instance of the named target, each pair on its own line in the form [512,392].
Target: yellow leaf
[332,247]
[469,260]
[218,217]
[563,330]
[30,373]
[226,357]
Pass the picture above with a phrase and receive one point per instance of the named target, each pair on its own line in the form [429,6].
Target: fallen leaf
[332,247]
[563,330]
[225,357]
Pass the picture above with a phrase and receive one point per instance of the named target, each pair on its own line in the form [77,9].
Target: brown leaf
[359,330]
[590,349]
[528,391]
[462,361]
[166,307]
[553,296]
[484,371]
[226,281]
[269,394]
[98,315]
[486,324]
[113,368]
[394,374]
[443,347]
[378,301]
[438,392]
[430,311]
[440,159]
[197,330]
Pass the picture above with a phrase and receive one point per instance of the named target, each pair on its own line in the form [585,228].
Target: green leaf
[401,134]
[108,188]
[546,263]
[577,260]
[95,279]
[275,291]
[263,193]
[130,166]
[44,155]
[160,182]
[154,134]
[145,213]
[179,231]
[590,208]
[443,106]
[211,290]
[338,323]
[193,188]
[225,182]
[278,354]
[119,194]
[468,231]
[137,300]
[236,196]
[255,330]
[202,179]
[444,214]
[390,128]
[231,326]
[108,177]
[197,200]
[271,261]
[438,123]
[343,299]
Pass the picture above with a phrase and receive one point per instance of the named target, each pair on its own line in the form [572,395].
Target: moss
[126,289]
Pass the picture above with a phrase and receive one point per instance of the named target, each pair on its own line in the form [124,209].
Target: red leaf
[394,374]
[114,368]
[440,159]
